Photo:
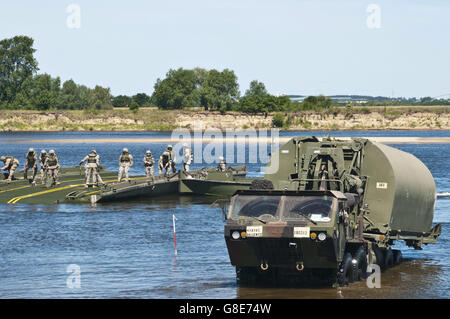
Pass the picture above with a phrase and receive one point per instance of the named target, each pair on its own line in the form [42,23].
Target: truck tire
[388,258]
[361,257]
[397,256]
[345,274]
[379,256]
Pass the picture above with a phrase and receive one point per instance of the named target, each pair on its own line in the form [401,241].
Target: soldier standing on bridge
[11,164]
[187,157]
[52,166]
[148,162]
[172,158]
[31,162]
[222,167]
[42,159]
[125,162]
[91,168]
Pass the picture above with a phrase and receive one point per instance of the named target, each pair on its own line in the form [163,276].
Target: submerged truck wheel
[361,257]
[397,256]
[388,258]
[345,274]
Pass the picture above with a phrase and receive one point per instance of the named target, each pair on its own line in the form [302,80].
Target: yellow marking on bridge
[18,198]
[13,189]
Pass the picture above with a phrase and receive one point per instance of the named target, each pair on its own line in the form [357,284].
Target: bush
[278,120]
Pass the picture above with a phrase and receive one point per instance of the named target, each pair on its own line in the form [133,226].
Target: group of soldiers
[49,165]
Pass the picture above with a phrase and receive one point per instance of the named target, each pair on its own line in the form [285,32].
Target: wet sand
[239,139]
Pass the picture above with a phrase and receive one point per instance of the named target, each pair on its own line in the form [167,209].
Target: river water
[127,249]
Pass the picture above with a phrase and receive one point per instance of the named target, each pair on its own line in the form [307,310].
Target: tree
[69,97]
[43,91]
[101,98]
[269,103]
[220,90]
[256,89]
[317,103]
[178,90]
[141,99]
[134,106]
[121,101]
[17,64]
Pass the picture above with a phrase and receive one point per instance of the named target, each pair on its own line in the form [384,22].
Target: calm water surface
[127,249]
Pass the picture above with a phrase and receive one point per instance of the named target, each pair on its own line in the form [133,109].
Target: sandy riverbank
[395,118]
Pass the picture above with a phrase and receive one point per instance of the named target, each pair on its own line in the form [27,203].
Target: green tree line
[21,87]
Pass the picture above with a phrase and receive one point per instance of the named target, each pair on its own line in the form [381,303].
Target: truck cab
[286,232]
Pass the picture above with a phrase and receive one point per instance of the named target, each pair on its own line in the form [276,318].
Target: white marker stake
[174,233]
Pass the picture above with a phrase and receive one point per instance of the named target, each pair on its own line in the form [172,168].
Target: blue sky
[293,46]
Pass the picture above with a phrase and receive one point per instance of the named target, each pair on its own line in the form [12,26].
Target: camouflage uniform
[164,162]
[125,162]
[188,155]
[148,162]
[172,158]
[11,164]
[91,168]
[222,167]
[42,159]
[52,166]
[31,162]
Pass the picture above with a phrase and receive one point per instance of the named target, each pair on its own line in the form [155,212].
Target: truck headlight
[322,236]
[235,235]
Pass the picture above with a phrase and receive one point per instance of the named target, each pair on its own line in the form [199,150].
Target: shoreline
[155,120]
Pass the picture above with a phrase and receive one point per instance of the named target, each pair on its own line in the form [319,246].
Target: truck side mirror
[223,204]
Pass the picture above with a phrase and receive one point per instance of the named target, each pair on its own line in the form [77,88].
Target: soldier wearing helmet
[172,158]
[92,167]
[222,167]
[125,162]
[11,164]
[188,155]
[148,163]
[164,163]
[31,162]
[42,159]
[52,166]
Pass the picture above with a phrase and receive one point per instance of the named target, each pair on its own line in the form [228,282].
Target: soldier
[91,168]
[148,162]
[125,162]
[11,164]
[164,162]
[172,158]
[187,157]
[31,162]
[42,159]
[52,166]
[222,167]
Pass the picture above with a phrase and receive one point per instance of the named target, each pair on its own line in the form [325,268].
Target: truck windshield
[316,208]
[271,208]
[260,207]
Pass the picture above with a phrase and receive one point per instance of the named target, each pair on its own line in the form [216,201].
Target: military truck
[332,208]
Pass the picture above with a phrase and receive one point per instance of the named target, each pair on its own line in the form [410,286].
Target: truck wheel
[345,274]
[397,256]
[379,256]
[388,258]
[361,257]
